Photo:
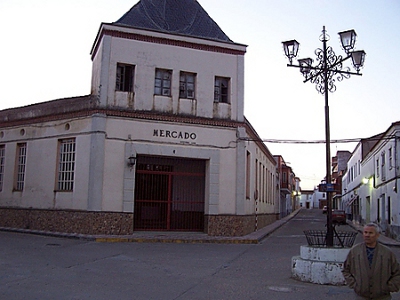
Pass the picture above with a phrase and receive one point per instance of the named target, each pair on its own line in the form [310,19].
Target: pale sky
[44,55]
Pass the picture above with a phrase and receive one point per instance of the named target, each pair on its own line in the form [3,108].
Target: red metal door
[169,194]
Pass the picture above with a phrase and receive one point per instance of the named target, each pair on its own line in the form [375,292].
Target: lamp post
[329,69]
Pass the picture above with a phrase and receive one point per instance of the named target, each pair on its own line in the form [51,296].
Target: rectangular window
[124,78]
[21,163]
[377,167]
[221,90]
[162,84]
[284,177]
[383,168]
[187,85]
[66,165]
[2,158]
[390,158]
[256,181]
[248,168]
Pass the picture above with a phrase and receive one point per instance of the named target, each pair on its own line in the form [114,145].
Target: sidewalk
[167,237]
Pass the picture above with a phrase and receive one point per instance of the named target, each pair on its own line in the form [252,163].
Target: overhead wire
[332,141]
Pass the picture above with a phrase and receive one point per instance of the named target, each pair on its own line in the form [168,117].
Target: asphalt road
[42,267]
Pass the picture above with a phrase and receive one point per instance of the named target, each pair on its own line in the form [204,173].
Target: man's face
[370,236]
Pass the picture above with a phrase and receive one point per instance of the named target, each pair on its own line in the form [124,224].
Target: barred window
[66,165]
[162,84]
[2,157]
[21,163]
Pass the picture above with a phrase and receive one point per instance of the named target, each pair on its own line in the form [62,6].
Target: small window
[124,78]
[162,85]
[187,85]
[2,158]
[248,171]
[284,177]
[66,165]
[377,167]
[20,165]
[221,90]
[390,158]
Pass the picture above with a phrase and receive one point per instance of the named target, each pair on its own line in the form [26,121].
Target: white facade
[370,184]
[110,49]
[210,153]
[306,199]
[319,199]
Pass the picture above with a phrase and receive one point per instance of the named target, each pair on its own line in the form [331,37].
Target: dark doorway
[169,194]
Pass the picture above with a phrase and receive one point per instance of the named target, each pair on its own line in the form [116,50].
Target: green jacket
[379,280]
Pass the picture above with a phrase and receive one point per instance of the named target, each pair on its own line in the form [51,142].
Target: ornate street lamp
[328,70]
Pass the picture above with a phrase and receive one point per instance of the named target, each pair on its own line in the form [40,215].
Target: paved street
[42,267]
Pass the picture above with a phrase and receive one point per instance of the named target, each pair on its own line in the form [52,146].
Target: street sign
[327,187]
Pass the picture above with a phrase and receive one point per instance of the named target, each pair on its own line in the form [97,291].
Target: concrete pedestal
[320,265]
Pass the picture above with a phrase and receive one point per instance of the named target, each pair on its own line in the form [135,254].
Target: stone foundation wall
[68,221]
[231,225]
[118,223]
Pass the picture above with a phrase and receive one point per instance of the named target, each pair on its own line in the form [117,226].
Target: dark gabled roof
[185,17]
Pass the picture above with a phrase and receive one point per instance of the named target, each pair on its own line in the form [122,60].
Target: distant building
[339,166]
[320,198]
[287,185]
[371,182]
[306,199]
[161,143]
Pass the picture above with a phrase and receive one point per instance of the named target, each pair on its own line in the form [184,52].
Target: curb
[116,239]
[176,241]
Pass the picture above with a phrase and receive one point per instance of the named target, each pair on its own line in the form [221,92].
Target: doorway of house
[169,194]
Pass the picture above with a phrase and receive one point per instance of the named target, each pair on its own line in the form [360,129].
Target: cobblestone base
[230,225]
[118,223]
[68,221]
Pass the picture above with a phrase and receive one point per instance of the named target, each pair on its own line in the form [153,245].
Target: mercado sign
[181,135]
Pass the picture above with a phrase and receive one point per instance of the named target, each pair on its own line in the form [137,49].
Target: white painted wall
[147,56]
[41,165]
[380,190]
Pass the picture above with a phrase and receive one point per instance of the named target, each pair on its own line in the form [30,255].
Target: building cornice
[164,39]
[87,111]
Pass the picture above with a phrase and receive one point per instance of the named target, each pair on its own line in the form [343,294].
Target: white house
[370,185]
[161,142]
[306,199]
[319,198]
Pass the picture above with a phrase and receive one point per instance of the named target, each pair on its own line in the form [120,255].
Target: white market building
[161,143]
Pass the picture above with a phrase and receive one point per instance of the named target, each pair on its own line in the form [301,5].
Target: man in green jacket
[371,269]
